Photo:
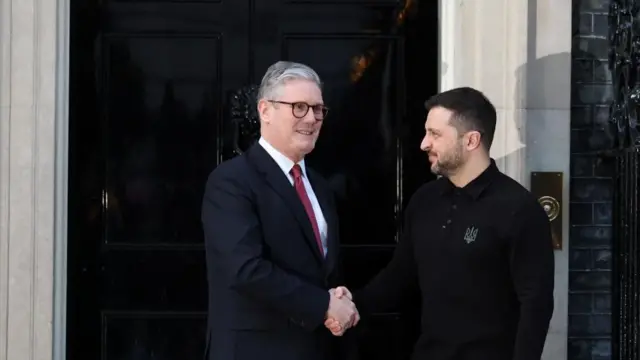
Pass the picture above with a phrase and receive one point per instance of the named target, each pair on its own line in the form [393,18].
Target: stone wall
[591,186]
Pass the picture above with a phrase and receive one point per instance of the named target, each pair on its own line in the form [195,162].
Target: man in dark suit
[271,234]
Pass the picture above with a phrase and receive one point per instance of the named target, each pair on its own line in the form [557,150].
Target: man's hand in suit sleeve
[235,248]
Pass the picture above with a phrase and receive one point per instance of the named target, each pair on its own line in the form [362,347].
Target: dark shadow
[535,90]
[534,116]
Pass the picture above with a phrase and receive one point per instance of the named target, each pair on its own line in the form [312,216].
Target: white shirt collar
[284,162]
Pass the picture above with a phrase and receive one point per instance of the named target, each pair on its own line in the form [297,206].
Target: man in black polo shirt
[476,243]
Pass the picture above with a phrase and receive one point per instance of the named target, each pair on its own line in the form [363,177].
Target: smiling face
[443,143]
[293,135]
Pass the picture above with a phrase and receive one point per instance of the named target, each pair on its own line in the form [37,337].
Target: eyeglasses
[300,109]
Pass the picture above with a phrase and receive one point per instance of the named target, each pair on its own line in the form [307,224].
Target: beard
[448,162]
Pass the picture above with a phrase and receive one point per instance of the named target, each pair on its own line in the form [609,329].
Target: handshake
[342,313]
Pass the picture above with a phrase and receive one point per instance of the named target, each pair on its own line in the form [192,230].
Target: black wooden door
[150,84]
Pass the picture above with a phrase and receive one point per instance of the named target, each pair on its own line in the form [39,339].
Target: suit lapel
[278,181]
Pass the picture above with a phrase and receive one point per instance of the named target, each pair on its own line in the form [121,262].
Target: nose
[425,145]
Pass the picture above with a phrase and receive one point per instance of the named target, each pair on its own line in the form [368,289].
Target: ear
[264,110]
[473,140]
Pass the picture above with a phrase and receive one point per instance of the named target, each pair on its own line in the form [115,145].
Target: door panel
[149,115]
[153,280]
[159,136]
[160,336]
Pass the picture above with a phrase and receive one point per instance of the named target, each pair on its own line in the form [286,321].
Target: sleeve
[235,245]
[532,269]
[398,279]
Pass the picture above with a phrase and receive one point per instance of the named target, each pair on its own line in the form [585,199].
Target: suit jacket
[268,282]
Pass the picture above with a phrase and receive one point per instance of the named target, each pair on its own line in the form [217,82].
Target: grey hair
[281,72]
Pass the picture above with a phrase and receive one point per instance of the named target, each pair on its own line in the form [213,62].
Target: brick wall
[591,187]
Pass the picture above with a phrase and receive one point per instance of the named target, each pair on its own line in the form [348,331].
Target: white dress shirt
[286,165]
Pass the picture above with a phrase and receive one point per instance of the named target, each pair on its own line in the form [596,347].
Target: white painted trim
[446,43]
[61,181]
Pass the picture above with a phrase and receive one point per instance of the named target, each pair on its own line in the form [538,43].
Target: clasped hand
[342,313]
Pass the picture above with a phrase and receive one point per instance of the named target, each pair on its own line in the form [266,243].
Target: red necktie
[302,193]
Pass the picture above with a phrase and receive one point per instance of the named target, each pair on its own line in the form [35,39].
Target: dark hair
[472,111]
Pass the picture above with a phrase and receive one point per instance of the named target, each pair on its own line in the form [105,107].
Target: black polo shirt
[482,257]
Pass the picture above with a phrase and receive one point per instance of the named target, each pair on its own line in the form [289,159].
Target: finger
[354,317]
[346,292]
[331,323]
[357,319]
[335,325]
[340,292]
